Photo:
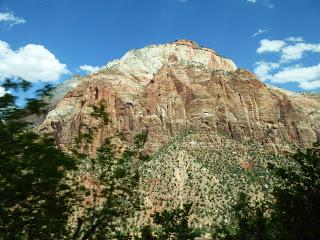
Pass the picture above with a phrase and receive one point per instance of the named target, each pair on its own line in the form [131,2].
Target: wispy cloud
[295,39]
[287,68]
[266,3]
[11,19]
[89,69]
[260,31]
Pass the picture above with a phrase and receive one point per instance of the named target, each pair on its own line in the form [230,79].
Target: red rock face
[181,95]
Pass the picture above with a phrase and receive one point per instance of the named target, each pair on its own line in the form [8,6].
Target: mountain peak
[169,87]
[144,63]
[186,42]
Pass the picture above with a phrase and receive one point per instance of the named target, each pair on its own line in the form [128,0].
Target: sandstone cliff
[166,88]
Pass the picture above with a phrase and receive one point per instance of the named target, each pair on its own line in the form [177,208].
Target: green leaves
[296,213]
[117,172]
[99,111]
[174,224]
[35,201]
[140,139]
[37,196]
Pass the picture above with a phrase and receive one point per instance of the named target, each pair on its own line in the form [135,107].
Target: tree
[250,222]
[175,223]
[39,195]
[296,213]
[35,200]
[118,175]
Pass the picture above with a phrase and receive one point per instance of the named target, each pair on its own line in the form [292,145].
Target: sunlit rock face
[166,88]
[146,62]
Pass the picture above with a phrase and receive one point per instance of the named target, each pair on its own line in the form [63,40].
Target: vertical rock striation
[166,88]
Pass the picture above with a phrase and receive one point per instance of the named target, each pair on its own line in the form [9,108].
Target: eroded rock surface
[166,88]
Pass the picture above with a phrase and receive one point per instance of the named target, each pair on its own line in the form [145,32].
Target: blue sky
[46,40]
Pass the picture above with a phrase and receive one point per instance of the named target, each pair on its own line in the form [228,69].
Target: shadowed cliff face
[164,89]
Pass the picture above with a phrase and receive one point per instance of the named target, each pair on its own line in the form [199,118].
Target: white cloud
[283,71]
[89,69]
[298,74]
[2,91]
[291,50]
[270,45]
[260,31]
[310,85]
[31,62]
[295,52]
[308,78]
[263,69]
[295,39]
[252,1]
[10,19]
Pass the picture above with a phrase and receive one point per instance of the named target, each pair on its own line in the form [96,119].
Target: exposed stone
[186,42]
[166,88]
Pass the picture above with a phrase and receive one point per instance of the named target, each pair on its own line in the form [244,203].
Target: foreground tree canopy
[34,197]
[42,195]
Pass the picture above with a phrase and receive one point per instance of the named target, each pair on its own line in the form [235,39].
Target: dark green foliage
[251,223]
[147,233]
[100,112]
[16,85]
[117,200]
[34,197]
[118,175]
[36,201]
[140,140]
[174,223]
[11,112]
[296,213]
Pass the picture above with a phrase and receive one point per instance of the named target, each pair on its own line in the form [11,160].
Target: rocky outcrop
[164,89]
[62,89]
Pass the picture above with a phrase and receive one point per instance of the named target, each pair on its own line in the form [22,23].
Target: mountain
[212,128]
[164,89]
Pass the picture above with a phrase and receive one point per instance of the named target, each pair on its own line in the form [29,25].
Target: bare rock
[170,87]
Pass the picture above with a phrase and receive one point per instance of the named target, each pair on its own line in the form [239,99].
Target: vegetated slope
[208,170]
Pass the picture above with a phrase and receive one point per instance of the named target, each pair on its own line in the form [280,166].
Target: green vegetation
[294,212]
[117,198]
[35,201]
[209,170]
[200,183]
[175,224]
[40,191]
